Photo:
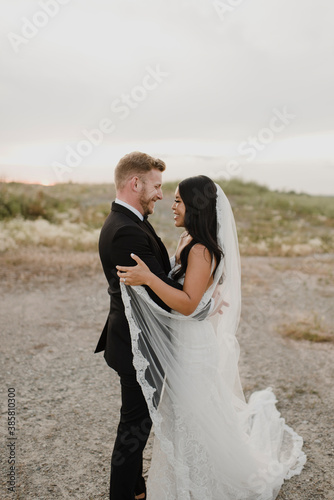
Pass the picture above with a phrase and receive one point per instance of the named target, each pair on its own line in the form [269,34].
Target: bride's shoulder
[201,257]
[200,251]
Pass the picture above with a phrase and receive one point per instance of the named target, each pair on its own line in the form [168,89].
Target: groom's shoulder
[120,216]
[120,220]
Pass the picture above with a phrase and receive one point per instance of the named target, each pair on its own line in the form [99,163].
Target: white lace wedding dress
[209,443]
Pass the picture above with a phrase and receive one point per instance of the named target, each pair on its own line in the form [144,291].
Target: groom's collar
[130,207]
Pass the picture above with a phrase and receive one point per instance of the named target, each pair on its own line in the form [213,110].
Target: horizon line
[52,184]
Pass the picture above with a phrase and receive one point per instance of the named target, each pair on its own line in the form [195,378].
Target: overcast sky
[235,87]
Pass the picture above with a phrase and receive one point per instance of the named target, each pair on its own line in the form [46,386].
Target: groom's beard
[146,204]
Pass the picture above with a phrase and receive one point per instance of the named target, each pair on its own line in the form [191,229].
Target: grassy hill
[70,216]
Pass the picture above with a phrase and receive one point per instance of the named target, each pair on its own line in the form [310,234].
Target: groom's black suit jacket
[124,233]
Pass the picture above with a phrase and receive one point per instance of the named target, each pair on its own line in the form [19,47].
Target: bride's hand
[219,302]
[134,275]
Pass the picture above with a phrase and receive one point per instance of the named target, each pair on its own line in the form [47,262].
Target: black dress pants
[133,431]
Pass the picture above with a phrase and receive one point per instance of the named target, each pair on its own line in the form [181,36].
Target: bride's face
[179,210]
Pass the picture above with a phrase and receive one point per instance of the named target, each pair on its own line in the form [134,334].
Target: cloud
[225,76]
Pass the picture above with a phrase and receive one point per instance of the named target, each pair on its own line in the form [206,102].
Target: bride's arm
[196,281]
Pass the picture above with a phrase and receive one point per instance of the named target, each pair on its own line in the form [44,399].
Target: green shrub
[268,222]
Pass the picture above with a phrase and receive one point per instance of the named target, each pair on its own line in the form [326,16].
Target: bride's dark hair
[199,196]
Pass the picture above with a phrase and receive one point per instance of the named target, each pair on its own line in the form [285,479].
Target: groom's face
[150,191]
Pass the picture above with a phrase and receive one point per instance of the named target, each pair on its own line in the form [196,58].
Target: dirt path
[67,399]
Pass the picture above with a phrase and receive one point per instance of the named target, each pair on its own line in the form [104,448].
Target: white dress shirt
[130,207]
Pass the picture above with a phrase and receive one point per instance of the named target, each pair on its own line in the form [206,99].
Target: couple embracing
[170,336]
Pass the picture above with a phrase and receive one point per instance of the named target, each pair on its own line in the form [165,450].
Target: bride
[210,444]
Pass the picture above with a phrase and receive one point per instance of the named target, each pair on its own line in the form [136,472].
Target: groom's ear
[134,183]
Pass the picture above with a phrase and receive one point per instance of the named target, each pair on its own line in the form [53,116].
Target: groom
[138,180]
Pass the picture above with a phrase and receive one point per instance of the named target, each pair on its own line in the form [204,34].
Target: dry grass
[69,217]
[18,232]
[311,328]
[45,265]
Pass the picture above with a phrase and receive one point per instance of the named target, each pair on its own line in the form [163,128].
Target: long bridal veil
[209,443]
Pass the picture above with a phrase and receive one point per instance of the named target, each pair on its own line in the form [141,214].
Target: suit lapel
[149,230]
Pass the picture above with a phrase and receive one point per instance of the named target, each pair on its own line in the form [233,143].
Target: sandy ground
[53,307]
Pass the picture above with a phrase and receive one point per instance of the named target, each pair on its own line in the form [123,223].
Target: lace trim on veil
[141,364]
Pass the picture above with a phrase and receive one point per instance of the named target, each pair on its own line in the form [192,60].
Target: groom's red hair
[135,163]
